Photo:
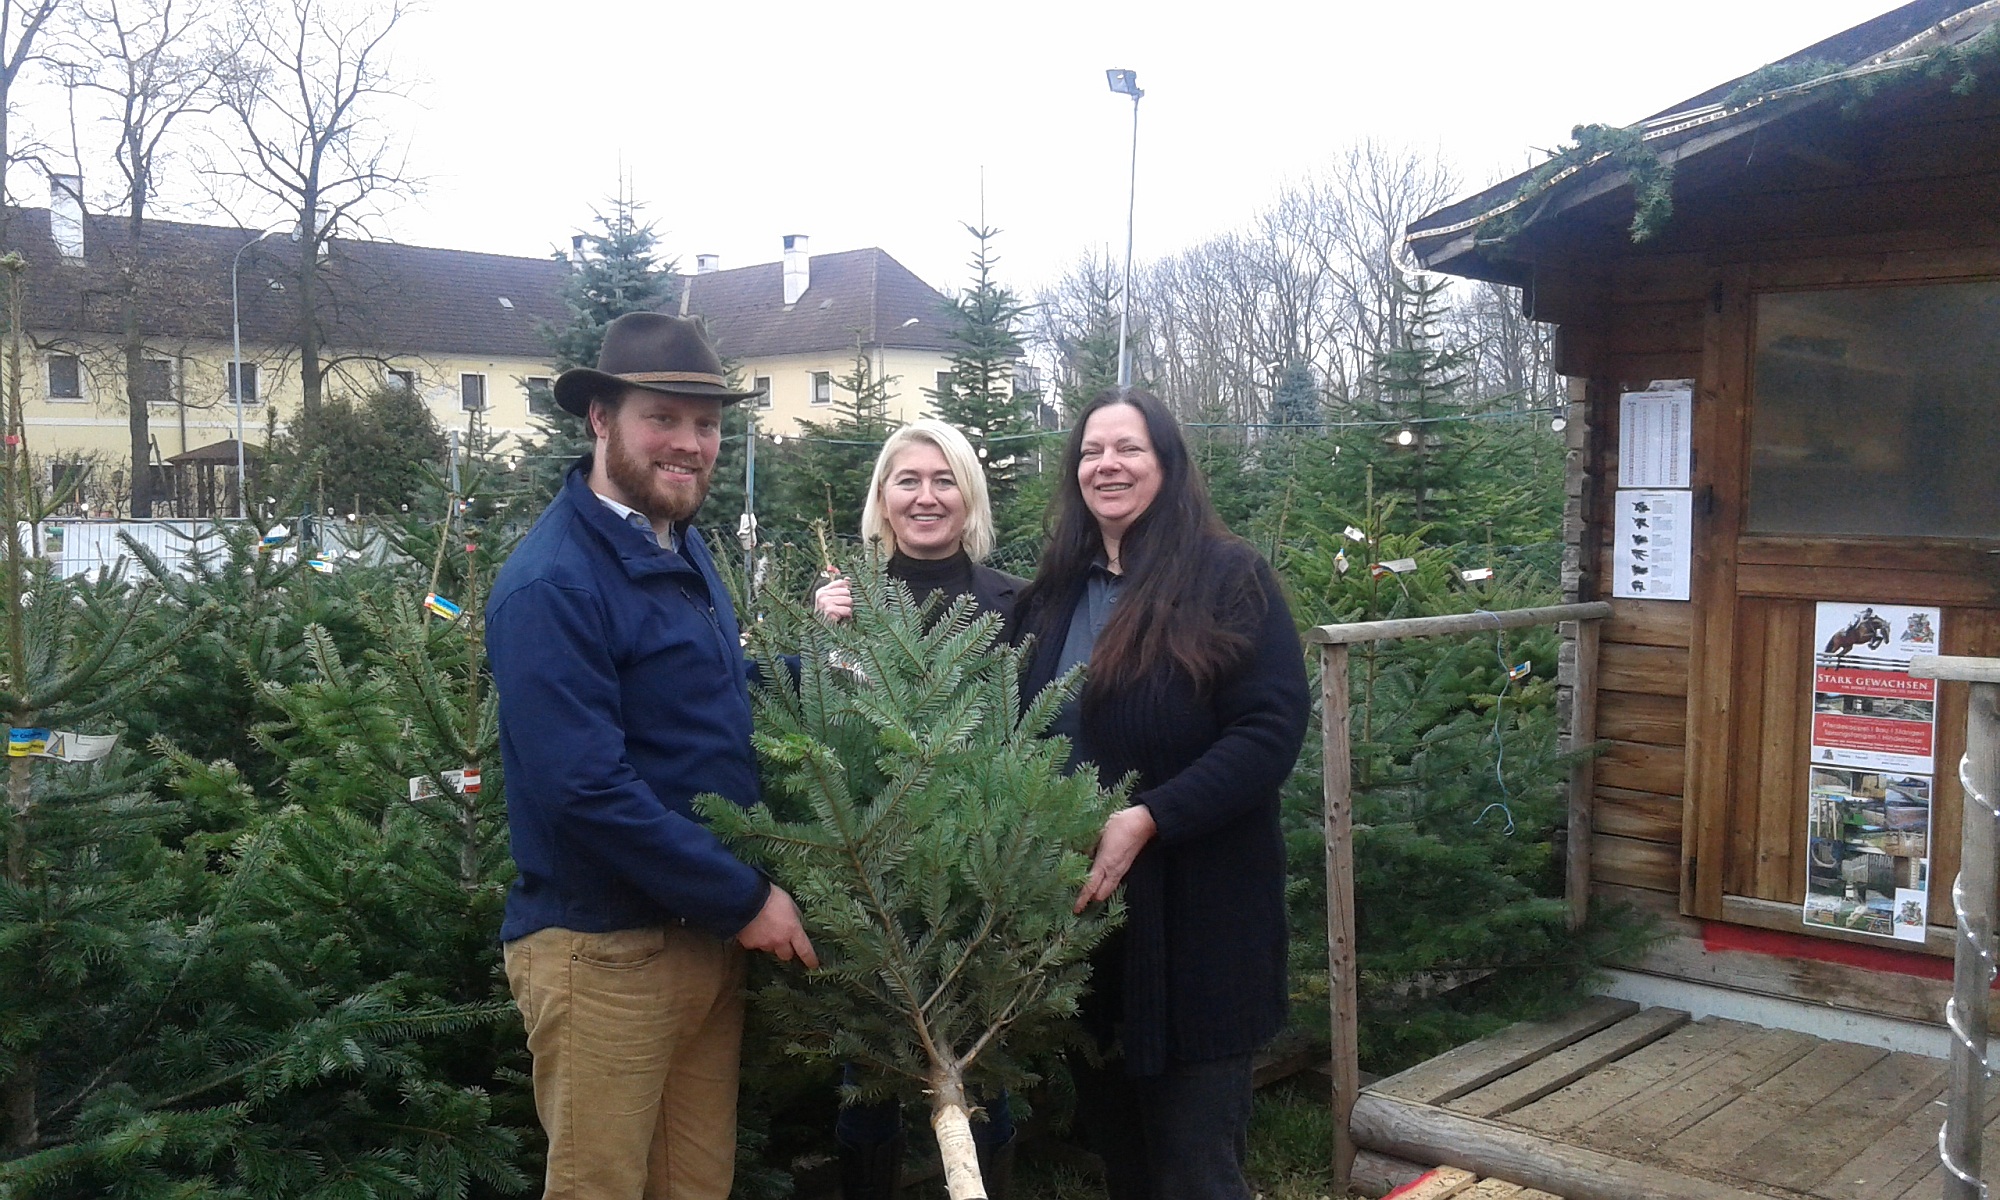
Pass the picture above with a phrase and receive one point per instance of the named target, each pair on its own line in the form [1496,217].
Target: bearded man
[624,694]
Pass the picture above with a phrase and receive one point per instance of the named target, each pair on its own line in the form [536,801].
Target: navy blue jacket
[624,694]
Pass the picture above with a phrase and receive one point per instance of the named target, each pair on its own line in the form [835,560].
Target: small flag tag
[1355,534]
[25,743]
[321,565]
[441,606]
[1395,566]
[79,747]
[1340,561]
[1476,574]
[278,534]
[1518,672]
[465,783]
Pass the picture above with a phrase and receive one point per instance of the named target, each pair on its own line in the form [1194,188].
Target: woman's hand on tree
[834,600]
[1125,834]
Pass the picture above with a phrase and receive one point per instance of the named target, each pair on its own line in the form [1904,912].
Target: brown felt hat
[652,351]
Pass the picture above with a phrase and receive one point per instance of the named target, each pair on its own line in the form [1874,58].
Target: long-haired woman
[1196,683]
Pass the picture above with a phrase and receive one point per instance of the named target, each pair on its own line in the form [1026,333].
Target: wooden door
[1890,515]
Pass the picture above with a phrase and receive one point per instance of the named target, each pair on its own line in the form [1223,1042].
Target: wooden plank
[1437,1184]
[1453,623]
[1375,1174]
[1721,466]
[1492,1189]
[1788,917]
[1777,871]
[1796,1155]
[1639,767]
[1886,587]
[1535,1194]
[1782,1099]
[1476,1064]
[1571,1063]
[1652,670]
[1418,1131]
[1637,717]
[1888,1165]
[1642,815]
[1687,1049]
[1957,667]
[1671,1106]
[1746,724]
[1633,863]
[1898,555]
[1649,623]
[1582,772]
[1342,972]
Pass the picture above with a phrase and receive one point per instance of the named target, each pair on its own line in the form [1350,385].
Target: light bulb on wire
[1406,438]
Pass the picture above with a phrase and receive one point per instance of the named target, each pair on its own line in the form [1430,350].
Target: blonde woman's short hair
[965,468]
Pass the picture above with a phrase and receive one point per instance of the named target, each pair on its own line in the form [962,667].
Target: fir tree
[1090,358]
[621,272]
[935,848]
[980,397]
[1295,399]
[827,470]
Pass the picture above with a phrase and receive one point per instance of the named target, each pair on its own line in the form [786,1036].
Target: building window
[66,480]
[65,377]
[943,383]
[156,380]
[472,392]
[541,395]
[401,381]
[250,382]
[762,386]
[822,387]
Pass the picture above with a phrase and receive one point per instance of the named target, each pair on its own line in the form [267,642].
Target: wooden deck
[1615,1102]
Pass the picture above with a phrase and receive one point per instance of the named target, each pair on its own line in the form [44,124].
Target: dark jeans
[861,1125]
[1175,1136]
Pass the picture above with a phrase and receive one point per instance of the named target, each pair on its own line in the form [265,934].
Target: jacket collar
[640,555]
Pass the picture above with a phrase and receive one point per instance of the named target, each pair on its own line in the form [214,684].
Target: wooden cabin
[1827,283]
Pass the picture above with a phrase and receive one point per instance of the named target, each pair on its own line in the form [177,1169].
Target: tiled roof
[855,293]
[382,297]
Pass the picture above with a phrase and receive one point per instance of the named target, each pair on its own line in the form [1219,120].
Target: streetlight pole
[236,373]
[1126,83]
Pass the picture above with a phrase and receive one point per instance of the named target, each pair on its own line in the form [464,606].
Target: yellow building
[792,328]
[461,329]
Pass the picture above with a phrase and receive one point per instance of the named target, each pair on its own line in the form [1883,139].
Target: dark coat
[991,591]
[624,694]
[1198,972]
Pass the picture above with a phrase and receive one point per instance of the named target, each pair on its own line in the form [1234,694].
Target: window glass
[250,395]
[541,395]
[65,377]
[762,386]
[472,392]
[403,381]
[156,380]
[822,387]
[1877,411]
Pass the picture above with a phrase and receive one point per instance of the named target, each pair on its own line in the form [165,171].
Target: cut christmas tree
[935,848]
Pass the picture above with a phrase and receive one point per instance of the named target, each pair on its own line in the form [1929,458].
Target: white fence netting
[80,547]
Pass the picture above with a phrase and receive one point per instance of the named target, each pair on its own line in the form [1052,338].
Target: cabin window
[1874,410]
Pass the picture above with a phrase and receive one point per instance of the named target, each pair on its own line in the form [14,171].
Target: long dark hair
[1179,590]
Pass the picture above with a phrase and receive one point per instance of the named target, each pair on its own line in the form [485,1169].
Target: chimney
[798,267]
[707,264]
[66,215]
[576,250]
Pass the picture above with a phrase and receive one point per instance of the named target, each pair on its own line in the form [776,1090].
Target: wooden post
[1973,899]
[1338,780]
[1582,773]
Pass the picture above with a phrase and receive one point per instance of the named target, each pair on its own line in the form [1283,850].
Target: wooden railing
[1333,641]
[1972,897]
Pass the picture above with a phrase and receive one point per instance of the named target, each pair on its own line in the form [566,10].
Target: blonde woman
[928,507]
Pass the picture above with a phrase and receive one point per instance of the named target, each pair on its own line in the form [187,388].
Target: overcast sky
[868,122]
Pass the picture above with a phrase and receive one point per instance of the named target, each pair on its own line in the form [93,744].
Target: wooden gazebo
[1778,304]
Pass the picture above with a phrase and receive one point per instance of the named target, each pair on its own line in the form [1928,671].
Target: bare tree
[21,25]
[150,65]
[315,147]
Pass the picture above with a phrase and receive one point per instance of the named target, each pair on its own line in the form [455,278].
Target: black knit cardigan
[1198,972]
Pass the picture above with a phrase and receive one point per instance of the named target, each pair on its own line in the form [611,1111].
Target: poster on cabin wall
[1652,547]
[1874,755]
[1656,438]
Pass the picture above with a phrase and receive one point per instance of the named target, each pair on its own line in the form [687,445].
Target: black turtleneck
[926,576]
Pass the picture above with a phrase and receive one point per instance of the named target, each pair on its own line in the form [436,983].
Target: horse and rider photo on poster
[1873,762]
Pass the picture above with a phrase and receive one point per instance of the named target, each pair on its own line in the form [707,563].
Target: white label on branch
[465,783]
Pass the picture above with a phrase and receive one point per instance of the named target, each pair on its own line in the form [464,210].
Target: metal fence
[82,547]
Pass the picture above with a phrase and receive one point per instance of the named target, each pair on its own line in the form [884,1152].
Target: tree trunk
[135,399]
[951,1121]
